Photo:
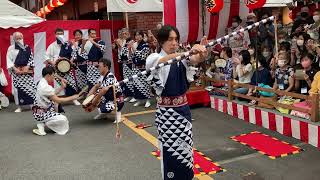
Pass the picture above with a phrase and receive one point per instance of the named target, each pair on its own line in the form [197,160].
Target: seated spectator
[252,56]
[243,71]
[261,76]
[226,54]
[283,74]
[298,47]
[303,84]
[267,53]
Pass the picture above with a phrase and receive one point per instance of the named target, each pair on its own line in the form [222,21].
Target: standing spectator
[303,84]
[283,74]
[313,30]
[266,33]
[243,71]
[240,41]
[253,33]
[300,23]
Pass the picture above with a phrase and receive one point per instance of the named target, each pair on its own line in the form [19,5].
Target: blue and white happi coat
[141,86]
[21,56]
[127,71]
[80,59]
[58,50]
[173,122]
[107,101]
[94,55]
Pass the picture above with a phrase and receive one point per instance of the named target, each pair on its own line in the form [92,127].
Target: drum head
[64,66]
[4,101]
[88,100]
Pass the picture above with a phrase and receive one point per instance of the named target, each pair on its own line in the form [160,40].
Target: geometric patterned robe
[140,85]
[173,122]
[24,87]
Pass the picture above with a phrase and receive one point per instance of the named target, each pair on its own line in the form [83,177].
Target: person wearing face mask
[283,74]
[303,84]
[260,76]
[226,54]
[313,30]
[244,71]
[20,64]
[252,56]
[62,49]
[305,19]
[266,53]
[299,47]
[239,41]
[171,83]
[139,55]
[266,33]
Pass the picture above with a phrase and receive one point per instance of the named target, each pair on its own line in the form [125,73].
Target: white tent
[14,16]
[277,3]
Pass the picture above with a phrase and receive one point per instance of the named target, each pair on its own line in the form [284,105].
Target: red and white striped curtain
[186,15]
[40,36]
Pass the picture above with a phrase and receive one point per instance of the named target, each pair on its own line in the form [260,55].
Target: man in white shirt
[20,65]
[44,110]
[62,49]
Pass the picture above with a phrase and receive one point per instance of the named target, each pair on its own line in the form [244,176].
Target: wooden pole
[276,38]
[230,90]
[315,107]
[126,19]
[118,135]
[44,10]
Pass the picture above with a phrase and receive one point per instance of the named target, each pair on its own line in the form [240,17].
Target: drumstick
[118,135]
[85,89]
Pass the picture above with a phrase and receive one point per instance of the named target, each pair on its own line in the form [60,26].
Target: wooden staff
[276,39]
[118,135]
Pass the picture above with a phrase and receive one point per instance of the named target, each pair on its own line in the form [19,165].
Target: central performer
[173,116]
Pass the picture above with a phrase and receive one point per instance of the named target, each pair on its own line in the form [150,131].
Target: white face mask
[259,65]
[316,18]
[266,54]
[20,41]
[60,37]
[281,62]
[235,24]
[300,42]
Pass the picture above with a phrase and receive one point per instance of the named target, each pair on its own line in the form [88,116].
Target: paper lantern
[56,3]
[60,3]
[254,4]
[46,8]
[50,7]
[214,6]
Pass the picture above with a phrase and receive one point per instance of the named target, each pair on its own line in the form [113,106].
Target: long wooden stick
[118,135]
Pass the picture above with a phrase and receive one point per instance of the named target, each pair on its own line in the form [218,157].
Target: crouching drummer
[104,98]
[44,110]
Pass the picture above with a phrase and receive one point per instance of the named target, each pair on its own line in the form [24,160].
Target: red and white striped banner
[41,35]
[187,17]
[305,131]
